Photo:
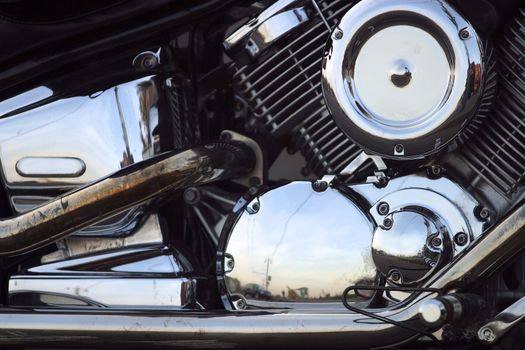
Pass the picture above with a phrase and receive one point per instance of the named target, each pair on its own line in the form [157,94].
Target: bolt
[486,334]
[320,186]
[436,242]
[436,170]
[338,34]
[383,208]
[253,207]
[396,276]
[484,213]
[226,136]
[464,34]
[399,149]
[192,195]
[387,223]
[240,304]
[461,238]
[229,264]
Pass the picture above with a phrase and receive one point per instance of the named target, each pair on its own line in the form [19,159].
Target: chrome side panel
[129,278]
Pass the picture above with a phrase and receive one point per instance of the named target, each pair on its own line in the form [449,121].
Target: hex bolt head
[383,208]
[387,223]
[436,242]
[461,238]
[338,34]
[192,195]
[484,213]
[253,207]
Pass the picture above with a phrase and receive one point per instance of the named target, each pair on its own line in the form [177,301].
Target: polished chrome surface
[403,249]
[25,99]
[503,322]
[50,167]
[105,132]
[278,329]
[397,70]
[131,278]
[148,233]
[433,312]
[442,196]
[124,189]
[269,12]
[295,245]
[275,28]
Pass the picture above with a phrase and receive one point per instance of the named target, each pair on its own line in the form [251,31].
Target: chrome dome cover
[402,78]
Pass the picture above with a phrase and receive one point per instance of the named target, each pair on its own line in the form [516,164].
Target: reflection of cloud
[320,241]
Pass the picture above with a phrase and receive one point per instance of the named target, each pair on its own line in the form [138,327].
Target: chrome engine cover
[402,78]
[294,245]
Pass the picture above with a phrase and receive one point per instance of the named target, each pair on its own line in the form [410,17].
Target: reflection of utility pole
[268,261]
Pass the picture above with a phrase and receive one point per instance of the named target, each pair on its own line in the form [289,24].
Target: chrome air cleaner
[403,78]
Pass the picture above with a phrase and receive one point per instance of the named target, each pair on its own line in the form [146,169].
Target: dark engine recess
[497,153]
[284,91]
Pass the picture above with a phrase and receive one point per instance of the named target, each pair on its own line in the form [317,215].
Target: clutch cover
[402,78]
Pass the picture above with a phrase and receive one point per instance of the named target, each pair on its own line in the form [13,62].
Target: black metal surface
[496,153]
[284,91]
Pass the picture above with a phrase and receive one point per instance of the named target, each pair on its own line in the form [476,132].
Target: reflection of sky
[316,240]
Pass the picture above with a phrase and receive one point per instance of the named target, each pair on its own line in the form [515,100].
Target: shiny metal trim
[245,328]
[498,326]
[25,99]
[50,167]
[402,130]
[124,189]
[275,28]
[241,33]
[150,278]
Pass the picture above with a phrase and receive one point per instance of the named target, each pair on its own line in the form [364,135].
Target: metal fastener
[486,334]
[399,149]
[396,276]
[383,208]
[461,238]
[253,207]
[192,195]
[436,242]
[387,223]
[320,186]
[338,34]
[464,33]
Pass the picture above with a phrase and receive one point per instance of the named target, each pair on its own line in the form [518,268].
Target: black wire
[386,319]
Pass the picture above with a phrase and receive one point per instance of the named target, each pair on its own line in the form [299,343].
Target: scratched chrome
[126,278]
[295,245]
[122,190]
[245,328]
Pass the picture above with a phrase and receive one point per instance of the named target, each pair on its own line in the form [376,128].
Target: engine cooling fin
[283,90]
[496,152]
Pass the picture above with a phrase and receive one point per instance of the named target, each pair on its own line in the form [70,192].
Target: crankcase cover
[402,78]
[293,245]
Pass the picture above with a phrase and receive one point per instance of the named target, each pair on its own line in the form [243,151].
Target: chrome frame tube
[126,188]
[247,328]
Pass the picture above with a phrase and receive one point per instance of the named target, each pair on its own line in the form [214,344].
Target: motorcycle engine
[408,81]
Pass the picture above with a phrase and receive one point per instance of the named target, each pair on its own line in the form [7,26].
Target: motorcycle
[243,174]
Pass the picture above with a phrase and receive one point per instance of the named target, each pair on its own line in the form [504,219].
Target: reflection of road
[317,307]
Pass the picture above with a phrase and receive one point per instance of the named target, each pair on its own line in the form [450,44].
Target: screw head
[464,33]
[387,223]
[338,34]
[396,276]
[484,213]
[320,186]
[399,149]
[383,208]
[436,242]
[192,195]
[461,238]
[486,334]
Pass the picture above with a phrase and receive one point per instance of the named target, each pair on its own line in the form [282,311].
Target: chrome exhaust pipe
[124,189]
[249,328]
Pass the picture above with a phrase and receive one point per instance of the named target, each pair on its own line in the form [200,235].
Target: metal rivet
[383,208]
